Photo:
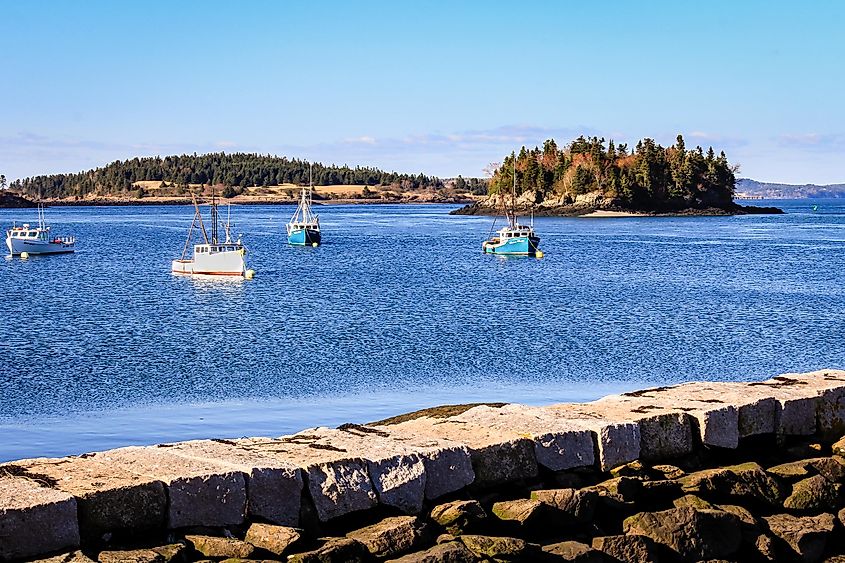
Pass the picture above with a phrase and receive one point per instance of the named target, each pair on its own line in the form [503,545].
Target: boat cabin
[516,232]
[26,232]
[215,248]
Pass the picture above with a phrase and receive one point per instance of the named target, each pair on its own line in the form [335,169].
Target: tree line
[648,177]
[234,171]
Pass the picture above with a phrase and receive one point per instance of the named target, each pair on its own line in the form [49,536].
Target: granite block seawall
[730,471]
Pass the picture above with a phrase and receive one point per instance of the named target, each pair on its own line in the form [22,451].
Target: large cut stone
[108,497]
[628,548]
[459,516]
[661,433]
[274,489]
[578,504]
[747,480]
[695,534]
[34,519]
[806,536]
[275,539]
[809,402]
[390,537]
[200,493]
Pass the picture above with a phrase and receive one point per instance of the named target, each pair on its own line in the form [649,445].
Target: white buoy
[249,274]
[539,254]
[314,244]
[24,255]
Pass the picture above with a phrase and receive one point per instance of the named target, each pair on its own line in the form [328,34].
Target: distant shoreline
[590,212]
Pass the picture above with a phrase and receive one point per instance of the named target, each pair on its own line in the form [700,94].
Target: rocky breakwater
[700,471]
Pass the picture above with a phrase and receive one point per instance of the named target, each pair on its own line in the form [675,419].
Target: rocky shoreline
[588,204]
[693,472]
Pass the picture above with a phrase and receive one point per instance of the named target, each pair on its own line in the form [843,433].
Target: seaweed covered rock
[746,480]
[459,516]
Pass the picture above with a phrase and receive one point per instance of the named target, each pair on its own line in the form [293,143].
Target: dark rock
[747,480]
[632,469]
[691,532]
[669,471]
[336,550]
[522,511]
[275,539]
[212,546]
[828,467]
[578,504]
[745,517]
[451,552]
[628,548]
[838,447]
[171,552]
[459,516]
[574,551]
[764,548]
[814,493]
[628,489]
[390,537]
[496,548]
[660,489]
[72,557]
[806,536]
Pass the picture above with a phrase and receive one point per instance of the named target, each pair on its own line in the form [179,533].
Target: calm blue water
[399,309]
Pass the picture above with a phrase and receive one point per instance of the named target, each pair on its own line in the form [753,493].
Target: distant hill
[745,187]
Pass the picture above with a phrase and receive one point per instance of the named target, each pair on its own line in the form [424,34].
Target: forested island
[245,176]
[590,175]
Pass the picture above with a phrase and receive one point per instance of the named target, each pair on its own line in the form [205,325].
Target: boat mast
[213,218]
[512,213]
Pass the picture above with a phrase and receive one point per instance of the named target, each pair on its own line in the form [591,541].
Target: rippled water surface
[397,310]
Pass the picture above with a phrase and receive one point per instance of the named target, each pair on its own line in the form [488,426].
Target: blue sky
[439,87]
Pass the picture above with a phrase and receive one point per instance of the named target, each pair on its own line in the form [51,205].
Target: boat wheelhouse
[212,257]
[304,227]
[37,240]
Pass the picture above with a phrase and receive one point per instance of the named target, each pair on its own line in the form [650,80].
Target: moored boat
[26,239]
[513,239]
[304,227]
[212,257]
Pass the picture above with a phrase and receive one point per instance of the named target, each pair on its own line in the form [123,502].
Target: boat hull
[517,246]
[217,264]
[304,237]
[17,246]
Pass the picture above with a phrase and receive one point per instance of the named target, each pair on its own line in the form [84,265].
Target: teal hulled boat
[514,239]
[304,227]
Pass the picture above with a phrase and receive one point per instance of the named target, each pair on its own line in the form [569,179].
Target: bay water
[397,310]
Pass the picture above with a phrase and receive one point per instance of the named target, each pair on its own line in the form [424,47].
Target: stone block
[274,489]
[390,537]
[200,492]
[34,519]
[275,539]
[108,497]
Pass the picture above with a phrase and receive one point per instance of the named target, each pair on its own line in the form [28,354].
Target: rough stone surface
[130,555]
[459,516]
[580,505]
[744,480]
[200,493]
[71,557]
[108,498]
[814,493]
[449,552]
[212,546]
[275,539]
[838,447]
[274,486]
[496,548]
[574,551]
[691,532]
[692,501]
[628,548]
[390,537]
[34,519]
[336,550]
[806,536]
[521,511]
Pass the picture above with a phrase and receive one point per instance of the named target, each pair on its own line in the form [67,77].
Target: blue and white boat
[514,239]
[304,227]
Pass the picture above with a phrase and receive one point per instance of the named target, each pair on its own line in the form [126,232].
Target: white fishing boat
[211,256]
[304,227]
[26,239]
